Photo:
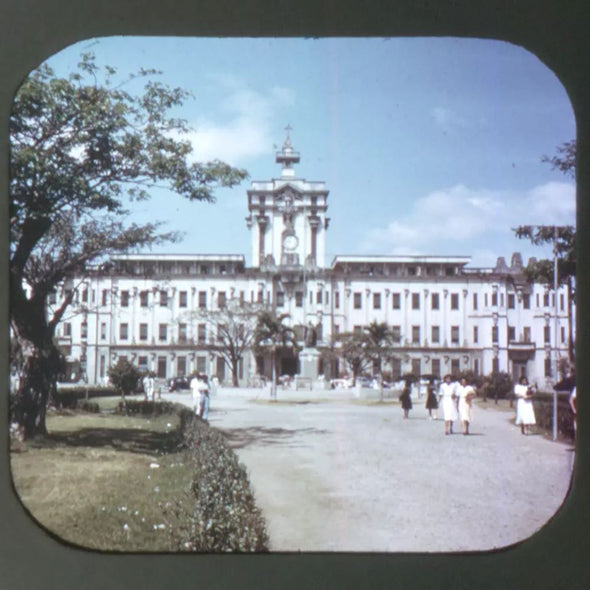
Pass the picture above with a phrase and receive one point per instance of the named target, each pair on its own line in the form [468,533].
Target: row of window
[322,297]
[148,268]
[435,333]
[435,304]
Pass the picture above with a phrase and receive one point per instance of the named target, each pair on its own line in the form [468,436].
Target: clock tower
[287,217]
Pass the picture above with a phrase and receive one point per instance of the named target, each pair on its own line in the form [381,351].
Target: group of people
[199,385]
[455,397]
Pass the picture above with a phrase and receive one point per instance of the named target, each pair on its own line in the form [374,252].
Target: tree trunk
[234,373]
[43,362]
[273,373]
[38,386]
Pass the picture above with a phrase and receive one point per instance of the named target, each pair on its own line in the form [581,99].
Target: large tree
[563,240]
[351,347]
[83,147]
[234,326]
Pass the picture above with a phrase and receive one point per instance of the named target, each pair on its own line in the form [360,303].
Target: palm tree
[352,349]
[379,340]
[271,333]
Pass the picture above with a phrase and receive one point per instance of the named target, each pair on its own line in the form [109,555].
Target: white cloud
[475,222]
[245,131]
[446,119]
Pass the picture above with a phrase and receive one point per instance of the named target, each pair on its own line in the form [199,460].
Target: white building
[449,317]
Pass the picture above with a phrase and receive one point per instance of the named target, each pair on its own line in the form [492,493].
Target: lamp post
[556,330]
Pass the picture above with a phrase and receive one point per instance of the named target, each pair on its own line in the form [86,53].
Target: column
[314,223]
[262,225]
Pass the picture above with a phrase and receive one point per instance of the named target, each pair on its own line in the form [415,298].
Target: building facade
[152,308]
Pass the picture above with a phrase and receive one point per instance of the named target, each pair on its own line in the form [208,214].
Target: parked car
[364,381]
[340,383]
[178,383]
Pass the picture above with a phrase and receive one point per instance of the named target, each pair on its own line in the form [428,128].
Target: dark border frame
[31,30]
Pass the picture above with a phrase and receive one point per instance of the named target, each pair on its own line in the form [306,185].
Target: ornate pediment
[287,196]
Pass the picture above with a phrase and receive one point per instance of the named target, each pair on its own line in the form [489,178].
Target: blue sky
[427,145]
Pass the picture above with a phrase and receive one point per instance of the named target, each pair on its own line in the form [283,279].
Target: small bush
[224,516]
[498,385]
[124,376]
[145,407]
[87,406]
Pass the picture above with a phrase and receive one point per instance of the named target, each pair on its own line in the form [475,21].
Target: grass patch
[123,483]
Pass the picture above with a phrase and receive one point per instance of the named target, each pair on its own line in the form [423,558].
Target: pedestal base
[309,361]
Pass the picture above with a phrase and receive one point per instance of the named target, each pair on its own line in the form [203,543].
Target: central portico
[287,217]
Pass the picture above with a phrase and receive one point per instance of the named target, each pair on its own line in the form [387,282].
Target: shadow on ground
[122,439]
[239,438]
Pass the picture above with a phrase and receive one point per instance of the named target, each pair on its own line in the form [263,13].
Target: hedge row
[68,396]
[224,516]
[145,407]
[543,405]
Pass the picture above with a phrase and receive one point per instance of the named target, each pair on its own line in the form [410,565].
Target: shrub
[87,406]
[497,385]
[68,395]
[224,516]
[124,376]
[473,379]
[145,407]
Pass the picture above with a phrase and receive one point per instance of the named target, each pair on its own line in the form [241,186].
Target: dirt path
[347,476]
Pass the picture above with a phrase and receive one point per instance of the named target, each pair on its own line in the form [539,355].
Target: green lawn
[105,481]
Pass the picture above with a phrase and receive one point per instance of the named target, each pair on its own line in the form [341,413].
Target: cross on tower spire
[287,156]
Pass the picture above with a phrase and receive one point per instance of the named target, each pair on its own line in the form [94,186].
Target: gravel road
[334,473]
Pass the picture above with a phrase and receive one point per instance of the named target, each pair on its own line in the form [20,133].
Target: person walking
[196,393]
[406,399]
[465,394]
[204,397]
[448,395]
[431,400]
[525,413]
[148,386]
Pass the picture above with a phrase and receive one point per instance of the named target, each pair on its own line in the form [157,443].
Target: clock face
[290,242]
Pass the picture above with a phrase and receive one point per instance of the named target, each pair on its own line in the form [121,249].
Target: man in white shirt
[195,386]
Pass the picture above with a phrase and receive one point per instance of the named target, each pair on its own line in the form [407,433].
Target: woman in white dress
[447,393]
[525,413]
[465,393]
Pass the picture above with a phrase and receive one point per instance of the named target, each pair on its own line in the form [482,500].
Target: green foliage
[563,238]
[272,331]
[543,404]
[379,341]
[145,407]
[565,160]
[124,376]
[224,516]
[410,377]
[473,379]
[87,406]
[82,148]
[497,385]
[351,348]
